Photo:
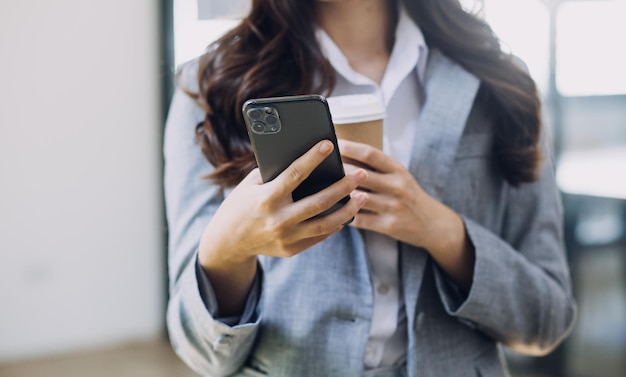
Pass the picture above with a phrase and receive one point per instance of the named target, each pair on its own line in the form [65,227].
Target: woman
[459,249]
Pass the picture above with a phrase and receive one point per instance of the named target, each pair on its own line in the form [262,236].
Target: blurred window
[590,48]
[524,29]
[197,23]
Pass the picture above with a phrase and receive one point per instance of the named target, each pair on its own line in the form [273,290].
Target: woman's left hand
[399,208]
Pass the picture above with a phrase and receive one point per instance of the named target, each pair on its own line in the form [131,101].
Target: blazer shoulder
[187,76]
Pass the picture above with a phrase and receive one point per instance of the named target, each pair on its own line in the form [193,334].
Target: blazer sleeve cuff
[473,304]
[223,338]
[207,294]
[207,345]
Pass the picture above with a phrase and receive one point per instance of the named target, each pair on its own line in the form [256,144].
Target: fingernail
[362,198]
[325,147]
[361,175]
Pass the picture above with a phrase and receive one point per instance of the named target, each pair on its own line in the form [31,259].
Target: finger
[254,177]
[301,245]
[367,155]
[382,183]
[301,168]
[369,221]
[323,200]
[331,223]
[391,183]
[378,204]
[350,168]
[375,182]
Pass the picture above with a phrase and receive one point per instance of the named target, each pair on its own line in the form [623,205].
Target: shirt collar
[409,52]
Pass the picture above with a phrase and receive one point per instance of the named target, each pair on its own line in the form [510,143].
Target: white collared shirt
[399,91]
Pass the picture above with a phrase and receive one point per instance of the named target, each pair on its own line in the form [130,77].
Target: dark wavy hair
[274,52]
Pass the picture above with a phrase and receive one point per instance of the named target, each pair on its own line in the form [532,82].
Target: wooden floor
[148,359]
[151,359]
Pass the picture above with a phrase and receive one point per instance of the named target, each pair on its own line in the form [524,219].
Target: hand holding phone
[262,219]
[281,129]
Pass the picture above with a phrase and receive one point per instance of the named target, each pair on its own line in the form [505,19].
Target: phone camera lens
[254,114]
[271,120]
[258,127]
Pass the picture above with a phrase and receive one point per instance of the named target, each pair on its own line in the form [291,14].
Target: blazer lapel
[450,92]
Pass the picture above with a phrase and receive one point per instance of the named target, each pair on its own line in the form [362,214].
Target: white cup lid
[355,108]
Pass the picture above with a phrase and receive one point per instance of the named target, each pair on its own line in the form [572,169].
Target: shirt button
[223,340]
[383,289]
[371,355]
[420,320]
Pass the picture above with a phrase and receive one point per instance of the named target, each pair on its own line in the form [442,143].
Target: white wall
[80,214]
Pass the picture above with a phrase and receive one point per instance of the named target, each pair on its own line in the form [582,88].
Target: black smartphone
[281,129]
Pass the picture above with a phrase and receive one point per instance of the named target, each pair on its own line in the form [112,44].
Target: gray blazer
[313,317]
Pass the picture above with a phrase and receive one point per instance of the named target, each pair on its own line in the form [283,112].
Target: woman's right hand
[262,219]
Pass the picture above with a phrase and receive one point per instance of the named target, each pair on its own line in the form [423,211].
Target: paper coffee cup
[358,118]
